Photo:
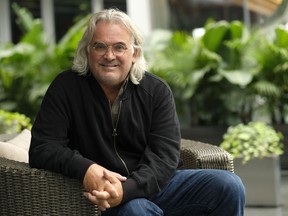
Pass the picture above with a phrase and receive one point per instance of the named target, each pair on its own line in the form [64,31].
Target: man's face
[111,67]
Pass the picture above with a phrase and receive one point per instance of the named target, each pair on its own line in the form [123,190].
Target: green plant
[13,122]
[28,67]
[270,82]
[227,76]
[253,140]
[206,74]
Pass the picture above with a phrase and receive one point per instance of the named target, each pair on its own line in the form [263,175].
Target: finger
[112,191]
[103,195]
[120,177]
[90,197]
[111,178]
[101,208]
[102,204]
[110,188]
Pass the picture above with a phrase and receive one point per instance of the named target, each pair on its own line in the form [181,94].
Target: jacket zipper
[114,134]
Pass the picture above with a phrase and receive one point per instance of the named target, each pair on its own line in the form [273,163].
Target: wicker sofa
[27,191]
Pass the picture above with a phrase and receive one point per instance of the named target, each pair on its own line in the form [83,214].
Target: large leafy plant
[204,73]
[252,140]
[28,67]
[229,75]
[270,82]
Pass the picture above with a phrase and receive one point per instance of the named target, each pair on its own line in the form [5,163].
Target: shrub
[254,140]
[13,122]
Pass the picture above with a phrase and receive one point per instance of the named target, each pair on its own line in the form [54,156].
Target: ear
[134,55]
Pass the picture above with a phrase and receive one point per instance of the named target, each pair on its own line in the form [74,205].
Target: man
[113,126]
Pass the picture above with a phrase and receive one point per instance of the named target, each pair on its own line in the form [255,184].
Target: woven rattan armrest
[26,191]
[198,155]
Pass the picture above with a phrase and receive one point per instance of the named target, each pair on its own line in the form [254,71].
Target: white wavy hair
[80,62]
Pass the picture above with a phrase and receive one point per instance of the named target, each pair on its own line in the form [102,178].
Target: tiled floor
[279,211]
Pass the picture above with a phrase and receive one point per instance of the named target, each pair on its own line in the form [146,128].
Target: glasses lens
[117,49]
[100,48]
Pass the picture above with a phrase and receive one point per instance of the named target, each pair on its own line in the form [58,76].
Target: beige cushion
[17,147]
[13,152]
[22,140]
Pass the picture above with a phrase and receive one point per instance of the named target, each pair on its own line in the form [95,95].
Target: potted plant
[256,147]
[13,122]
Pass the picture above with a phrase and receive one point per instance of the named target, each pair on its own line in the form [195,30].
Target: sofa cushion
[13,152]
[22,140]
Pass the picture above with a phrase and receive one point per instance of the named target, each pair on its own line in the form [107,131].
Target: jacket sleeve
[48,148]
[161,156]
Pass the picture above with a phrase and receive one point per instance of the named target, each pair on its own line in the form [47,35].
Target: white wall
[149,14]
[5,22]
[47,14]
[139,11]
[97,5]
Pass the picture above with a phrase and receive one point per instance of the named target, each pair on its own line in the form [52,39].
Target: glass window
[189,14]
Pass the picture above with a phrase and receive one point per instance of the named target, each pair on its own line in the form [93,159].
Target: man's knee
[230,185]
[140,206]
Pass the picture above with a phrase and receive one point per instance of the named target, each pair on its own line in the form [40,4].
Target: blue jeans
[191,193]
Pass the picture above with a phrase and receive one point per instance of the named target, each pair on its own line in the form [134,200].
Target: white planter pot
[262,180]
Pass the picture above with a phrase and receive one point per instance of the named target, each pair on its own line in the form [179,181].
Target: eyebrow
[99,42]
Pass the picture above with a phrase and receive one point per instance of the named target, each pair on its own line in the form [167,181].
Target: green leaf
[236,29]
[214,35]
[238,77]
[281,36]
[266,88]
[24,17]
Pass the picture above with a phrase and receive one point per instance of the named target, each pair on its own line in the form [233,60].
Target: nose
[109,53]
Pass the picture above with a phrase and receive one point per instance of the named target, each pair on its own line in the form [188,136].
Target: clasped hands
[103,187]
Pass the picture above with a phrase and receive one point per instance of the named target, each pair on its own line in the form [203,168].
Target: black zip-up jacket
[74,129]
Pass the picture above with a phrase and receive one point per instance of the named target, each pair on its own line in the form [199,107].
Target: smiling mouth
[109,65]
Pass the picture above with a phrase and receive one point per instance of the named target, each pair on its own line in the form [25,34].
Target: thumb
[120,177]
[111,178]
[113,175]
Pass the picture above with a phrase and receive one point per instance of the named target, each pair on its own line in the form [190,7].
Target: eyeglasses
[118,49]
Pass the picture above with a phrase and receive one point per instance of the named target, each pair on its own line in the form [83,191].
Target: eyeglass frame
[107,48]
